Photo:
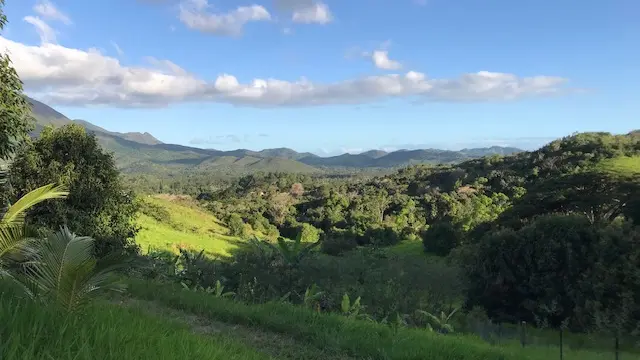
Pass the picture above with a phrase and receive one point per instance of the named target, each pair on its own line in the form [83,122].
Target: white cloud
[118,49]
[166,66]
[196,15]
[306,11]
[46,33]
[48,10]
[317,14]
[381,60]
[62,75]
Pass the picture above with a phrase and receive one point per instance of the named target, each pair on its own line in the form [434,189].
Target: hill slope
[137,152]
[170,223]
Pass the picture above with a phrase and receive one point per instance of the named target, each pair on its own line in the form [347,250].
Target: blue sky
[336,75]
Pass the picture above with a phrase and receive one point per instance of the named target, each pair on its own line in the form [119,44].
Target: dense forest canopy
[573,201]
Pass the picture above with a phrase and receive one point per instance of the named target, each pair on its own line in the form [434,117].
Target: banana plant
[353,309]
[312,297]
[292,251]
[441,324]
[216,291]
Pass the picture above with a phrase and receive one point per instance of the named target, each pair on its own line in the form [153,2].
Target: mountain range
[142,152]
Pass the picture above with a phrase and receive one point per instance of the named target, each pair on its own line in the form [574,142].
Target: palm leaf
[16,212]
[66,271]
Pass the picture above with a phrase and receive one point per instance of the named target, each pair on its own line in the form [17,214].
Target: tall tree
[97,204]
[15,112]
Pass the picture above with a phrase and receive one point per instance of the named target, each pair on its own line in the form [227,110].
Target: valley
[119,245]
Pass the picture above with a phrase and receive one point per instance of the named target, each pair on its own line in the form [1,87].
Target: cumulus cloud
[46,33]
[48,10]
[381,60]
[197,15]
[67,76]
[306,11]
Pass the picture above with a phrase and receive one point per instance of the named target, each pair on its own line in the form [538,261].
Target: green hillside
[140,152]
[622,165]
[170,223]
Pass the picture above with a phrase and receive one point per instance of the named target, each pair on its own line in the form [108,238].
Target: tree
[600,196]
[236,226]
[97,205]
[536,272]
[297,190]
[15,111]
[441,238]
[279,207]
[309,233]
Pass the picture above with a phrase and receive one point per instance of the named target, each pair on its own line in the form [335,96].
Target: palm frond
[12,240]
[17,212]
[66,271]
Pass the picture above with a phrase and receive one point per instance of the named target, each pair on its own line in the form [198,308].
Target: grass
[277,345]
[622,165]
[409,247]
[358,339]
[189,227]
[105,331]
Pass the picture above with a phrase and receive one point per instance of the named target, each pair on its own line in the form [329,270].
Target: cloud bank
[67,76]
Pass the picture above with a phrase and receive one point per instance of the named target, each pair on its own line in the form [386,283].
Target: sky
[334,76]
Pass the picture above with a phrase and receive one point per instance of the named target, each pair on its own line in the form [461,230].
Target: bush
[388,284]
[337,241]
[236,226]
[382,236]
[441,238]
[309,233]
[159,213]
[557,268]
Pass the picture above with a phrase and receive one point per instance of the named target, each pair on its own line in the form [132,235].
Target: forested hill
[593,173]
[137,152]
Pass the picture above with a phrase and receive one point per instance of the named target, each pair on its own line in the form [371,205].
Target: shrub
[337,241]
[441,238]
[159,213]
[309,233]
[236,226]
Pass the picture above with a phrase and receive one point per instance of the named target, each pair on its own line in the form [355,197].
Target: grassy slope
[190,228]
[624,165]
[358,339]
[106,331]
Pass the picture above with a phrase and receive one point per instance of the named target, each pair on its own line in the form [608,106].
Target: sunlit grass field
[105,331]
[190,228]
[623,165]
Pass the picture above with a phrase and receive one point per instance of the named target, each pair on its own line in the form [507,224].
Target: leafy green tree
[308,233]
[15,111]
[236,226]
[614,282]
[521,275]
[442,237]
[97,205]
[600,196]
